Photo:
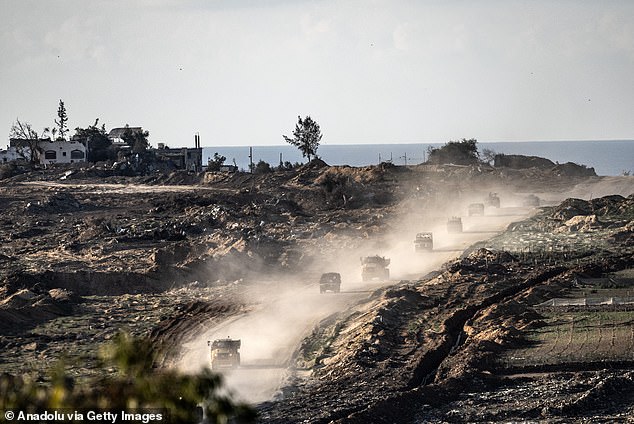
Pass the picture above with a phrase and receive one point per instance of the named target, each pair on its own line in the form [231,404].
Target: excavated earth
[86,253]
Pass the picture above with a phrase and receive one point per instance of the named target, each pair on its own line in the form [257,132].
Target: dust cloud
[289,307]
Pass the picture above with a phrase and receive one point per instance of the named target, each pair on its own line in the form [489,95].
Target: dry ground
[91,254]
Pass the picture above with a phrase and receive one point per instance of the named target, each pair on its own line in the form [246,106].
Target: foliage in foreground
[135,386]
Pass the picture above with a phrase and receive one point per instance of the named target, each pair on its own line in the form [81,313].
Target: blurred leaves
[136,384]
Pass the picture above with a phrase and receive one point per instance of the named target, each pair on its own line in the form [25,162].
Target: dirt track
[272,332]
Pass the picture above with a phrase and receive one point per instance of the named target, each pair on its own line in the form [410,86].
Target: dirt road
[271,333]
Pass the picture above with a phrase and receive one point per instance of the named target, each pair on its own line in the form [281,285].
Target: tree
[462,152]
[488,155]
[262,168]
[61,120]
[26,140]
[306,136]
[96,141]
[136,139]
[215,163]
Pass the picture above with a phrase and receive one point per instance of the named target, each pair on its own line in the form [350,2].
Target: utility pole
[251,159]
[404,157]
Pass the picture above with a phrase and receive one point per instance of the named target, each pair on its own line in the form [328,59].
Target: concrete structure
[115,135]
[13,153]
[50,152]
[61,151]
[182,158]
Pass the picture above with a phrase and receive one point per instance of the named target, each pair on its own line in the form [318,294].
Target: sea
[607,157]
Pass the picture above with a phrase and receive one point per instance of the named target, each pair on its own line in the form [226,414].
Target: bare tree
[26,140]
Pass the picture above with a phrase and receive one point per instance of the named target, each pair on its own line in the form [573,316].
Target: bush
[135,386]
[262,168]
[463,152]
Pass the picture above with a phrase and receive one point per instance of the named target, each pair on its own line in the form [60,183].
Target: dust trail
[287,313]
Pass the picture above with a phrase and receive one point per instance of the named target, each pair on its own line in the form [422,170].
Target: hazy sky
[240,71]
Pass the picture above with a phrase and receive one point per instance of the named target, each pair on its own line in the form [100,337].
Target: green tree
[96,141]
[262,168]
[61,120]
[215,163]
[462,152]
[306,136]
[136,139]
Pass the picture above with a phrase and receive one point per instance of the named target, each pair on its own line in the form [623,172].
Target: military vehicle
[224,353]
[476,209]
[424,242]
[330,281]
[492,200]
[375,267]
[454,225]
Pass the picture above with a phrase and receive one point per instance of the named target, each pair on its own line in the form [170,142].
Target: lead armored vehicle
[225,353]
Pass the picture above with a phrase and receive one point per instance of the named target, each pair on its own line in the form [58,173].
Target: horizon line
[433,142]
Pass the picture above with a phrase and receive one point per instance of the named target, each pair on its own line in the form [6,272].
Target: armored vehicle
[224,353]
[330,281]
[375,267]
[492,200]
[454,225]
[476,209]
[424,242]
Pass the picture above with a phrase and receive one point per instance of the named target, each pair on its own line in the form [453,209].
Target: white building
[14,153]
[61,151]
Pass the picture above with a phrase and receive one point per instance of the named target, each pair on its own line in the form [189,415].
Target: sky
[239,72]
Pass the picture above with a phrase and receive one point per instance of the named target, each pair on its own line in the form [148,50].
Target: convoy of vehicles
[225,352]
